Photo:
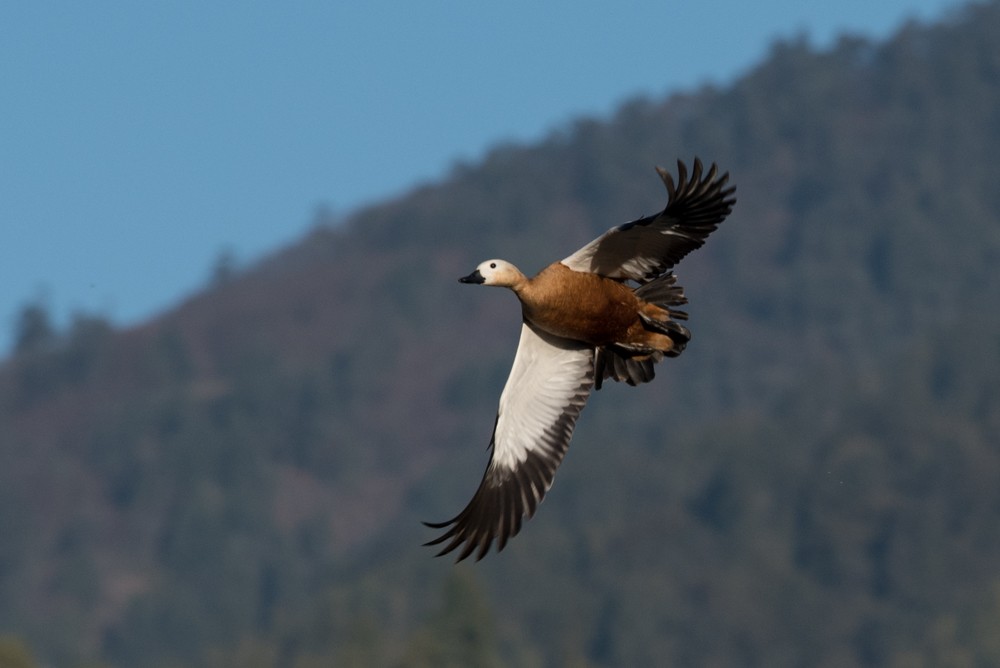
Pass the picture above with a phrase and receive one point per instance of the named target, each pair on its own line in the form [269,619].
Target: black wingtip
[684,184]
[700,188]
[668,181]
[682,175]
[498,509]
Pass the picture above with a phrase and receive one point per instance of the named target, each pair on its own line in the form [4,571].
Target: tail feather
[677,332]
[635,367]
[623,366]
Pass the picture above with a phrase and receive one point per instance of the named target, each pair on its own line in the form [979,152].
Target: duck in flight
[606,311]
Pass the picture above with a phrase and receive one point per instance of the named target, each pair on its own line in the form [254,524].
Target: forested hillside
[813,482]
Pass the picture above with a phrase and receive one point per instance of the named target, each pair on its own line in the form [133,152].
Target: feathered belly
[598,324]
[581,306]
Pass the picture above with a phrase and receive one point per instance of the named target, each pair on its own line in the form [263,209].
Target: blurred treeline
[816,481]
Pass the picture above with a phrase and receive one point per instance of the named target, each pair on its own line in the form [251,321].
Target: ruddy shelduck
[606,311]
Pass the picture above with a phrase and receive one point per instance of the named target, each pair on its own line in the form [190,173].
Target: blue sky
[140,140]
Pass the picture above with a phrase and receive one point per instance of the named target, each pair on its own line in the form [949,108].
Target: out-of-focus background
[238,369]
[141,146]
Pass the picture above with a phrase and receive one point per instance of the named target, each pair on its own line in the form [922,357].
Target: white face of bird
[494,272]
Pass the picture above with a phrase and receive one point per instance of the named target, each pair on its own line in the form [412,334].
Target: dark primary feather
[695,207]
[645,248]
[507,496]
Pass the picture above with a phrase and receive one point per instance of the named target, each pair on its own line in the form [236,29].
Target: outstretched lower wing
[646,248]
[547,388]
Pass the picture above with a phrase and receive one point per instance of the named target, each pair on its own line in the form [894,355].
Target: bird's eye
[493,265]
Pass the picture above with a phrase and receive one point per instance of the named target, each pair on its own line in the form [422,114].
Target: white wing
[547,388]
[648,247]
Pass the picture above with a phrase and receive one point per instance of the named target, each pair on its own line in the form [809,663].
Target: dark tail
[635,366]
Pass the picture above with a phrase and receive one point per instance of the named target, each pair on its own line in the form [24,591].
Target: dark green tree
[33,330]
[460,632]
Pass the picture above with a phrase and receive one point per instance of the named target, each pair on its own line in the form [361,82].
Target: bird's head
[495,272]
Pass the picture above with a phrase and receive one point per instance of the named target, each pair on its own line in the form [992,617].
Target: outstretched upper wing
[645,248]
[547,388]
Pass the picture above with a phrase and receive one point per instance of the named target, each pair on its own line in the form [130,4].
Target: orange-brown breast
[579,305]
